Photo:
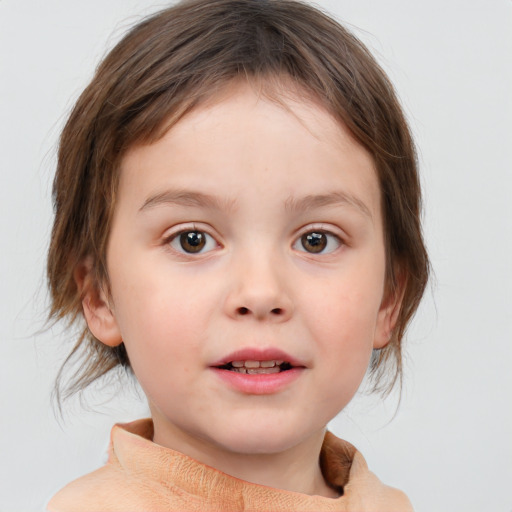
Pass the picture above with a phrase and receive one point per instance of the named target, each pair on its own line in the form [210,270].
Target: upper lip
[259,354]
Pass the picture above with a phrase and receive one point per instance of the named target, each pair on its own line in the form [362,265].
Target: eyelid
[329,230]
[174,233]
[322,227]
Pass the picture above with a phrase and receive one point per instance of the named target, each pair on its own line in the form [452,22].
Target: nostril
[243,311]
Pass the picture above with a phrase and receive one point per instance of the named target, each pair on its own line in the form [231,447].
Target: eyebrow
[187,198]
[310,202]
[292,205]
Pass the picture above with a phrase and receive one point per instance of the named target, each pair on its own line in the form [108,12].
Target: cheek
[159,320]
[343,311]
[342,322]
[345,344]
[161,344]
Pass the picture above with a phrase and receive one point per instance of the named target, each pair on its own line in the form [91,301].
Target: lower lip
[259,384]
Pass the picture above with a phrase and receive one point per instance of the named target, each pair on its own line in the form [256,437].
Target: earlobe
[388,316]
[97,310]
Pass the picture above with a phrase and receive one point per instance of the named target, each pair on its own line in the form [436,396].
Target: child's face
[250,231]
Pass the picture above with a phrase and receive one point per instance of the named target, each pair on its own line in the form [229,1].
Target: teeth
[256,364]
[254,371]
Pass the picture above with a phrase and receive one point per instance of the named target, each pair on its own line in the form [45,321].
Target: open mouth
[257,367]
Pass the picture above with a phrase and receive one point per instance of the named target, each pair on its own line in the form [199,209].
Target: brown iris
[314,241]
[192,241]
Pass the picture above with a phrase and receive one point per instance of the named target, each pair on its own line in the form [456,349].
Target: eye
[192,242]
[316,242]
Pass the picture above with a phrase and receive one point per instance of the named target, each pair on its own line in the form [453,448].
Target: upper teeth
[256,364]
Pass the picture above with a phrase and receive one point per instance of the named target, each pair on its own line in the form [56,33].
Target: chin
[262,439]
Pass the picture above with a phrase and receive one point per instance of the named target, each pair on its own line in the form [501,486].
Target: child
[237,220]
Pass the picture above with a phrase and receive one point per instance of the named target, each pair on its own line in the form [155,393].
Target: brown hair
[170,63]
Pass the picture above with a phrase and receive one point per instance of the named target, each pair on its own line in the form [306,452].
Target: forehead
[278,132]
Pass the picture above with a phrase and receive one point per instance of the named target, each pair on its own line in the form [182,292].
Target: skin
[272,171]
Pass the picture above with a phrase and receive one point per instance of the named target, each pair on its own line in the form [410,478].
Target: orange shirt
[143,476]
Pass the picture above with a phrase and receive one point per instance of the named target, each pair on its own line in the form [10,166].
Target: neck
[296,469]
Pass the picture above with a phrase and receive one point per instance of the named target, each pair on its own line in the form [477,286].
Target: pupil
[314,242]
[192,241]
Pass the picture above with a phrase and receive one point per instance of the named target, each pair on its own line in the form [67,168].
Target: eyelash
[176,241]
[330,239]
[320,239]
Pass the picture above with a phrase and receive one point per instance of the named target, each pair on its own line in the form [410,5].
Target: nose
[258,290]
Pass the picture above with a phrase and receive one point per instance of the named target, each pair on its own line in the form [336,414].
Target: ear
[97,310]
[388,314]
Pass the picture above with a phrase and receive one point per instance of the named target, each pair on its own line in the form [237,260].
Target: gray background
[450,444]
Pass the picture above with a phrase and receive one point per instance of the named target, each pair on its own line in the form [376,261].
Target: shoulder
[102,489]
[345,467]
[110,487]
[133,479]
[367,492]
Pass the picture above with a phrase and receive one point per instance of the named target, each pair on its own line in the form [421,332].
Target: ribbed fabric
[143,476]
